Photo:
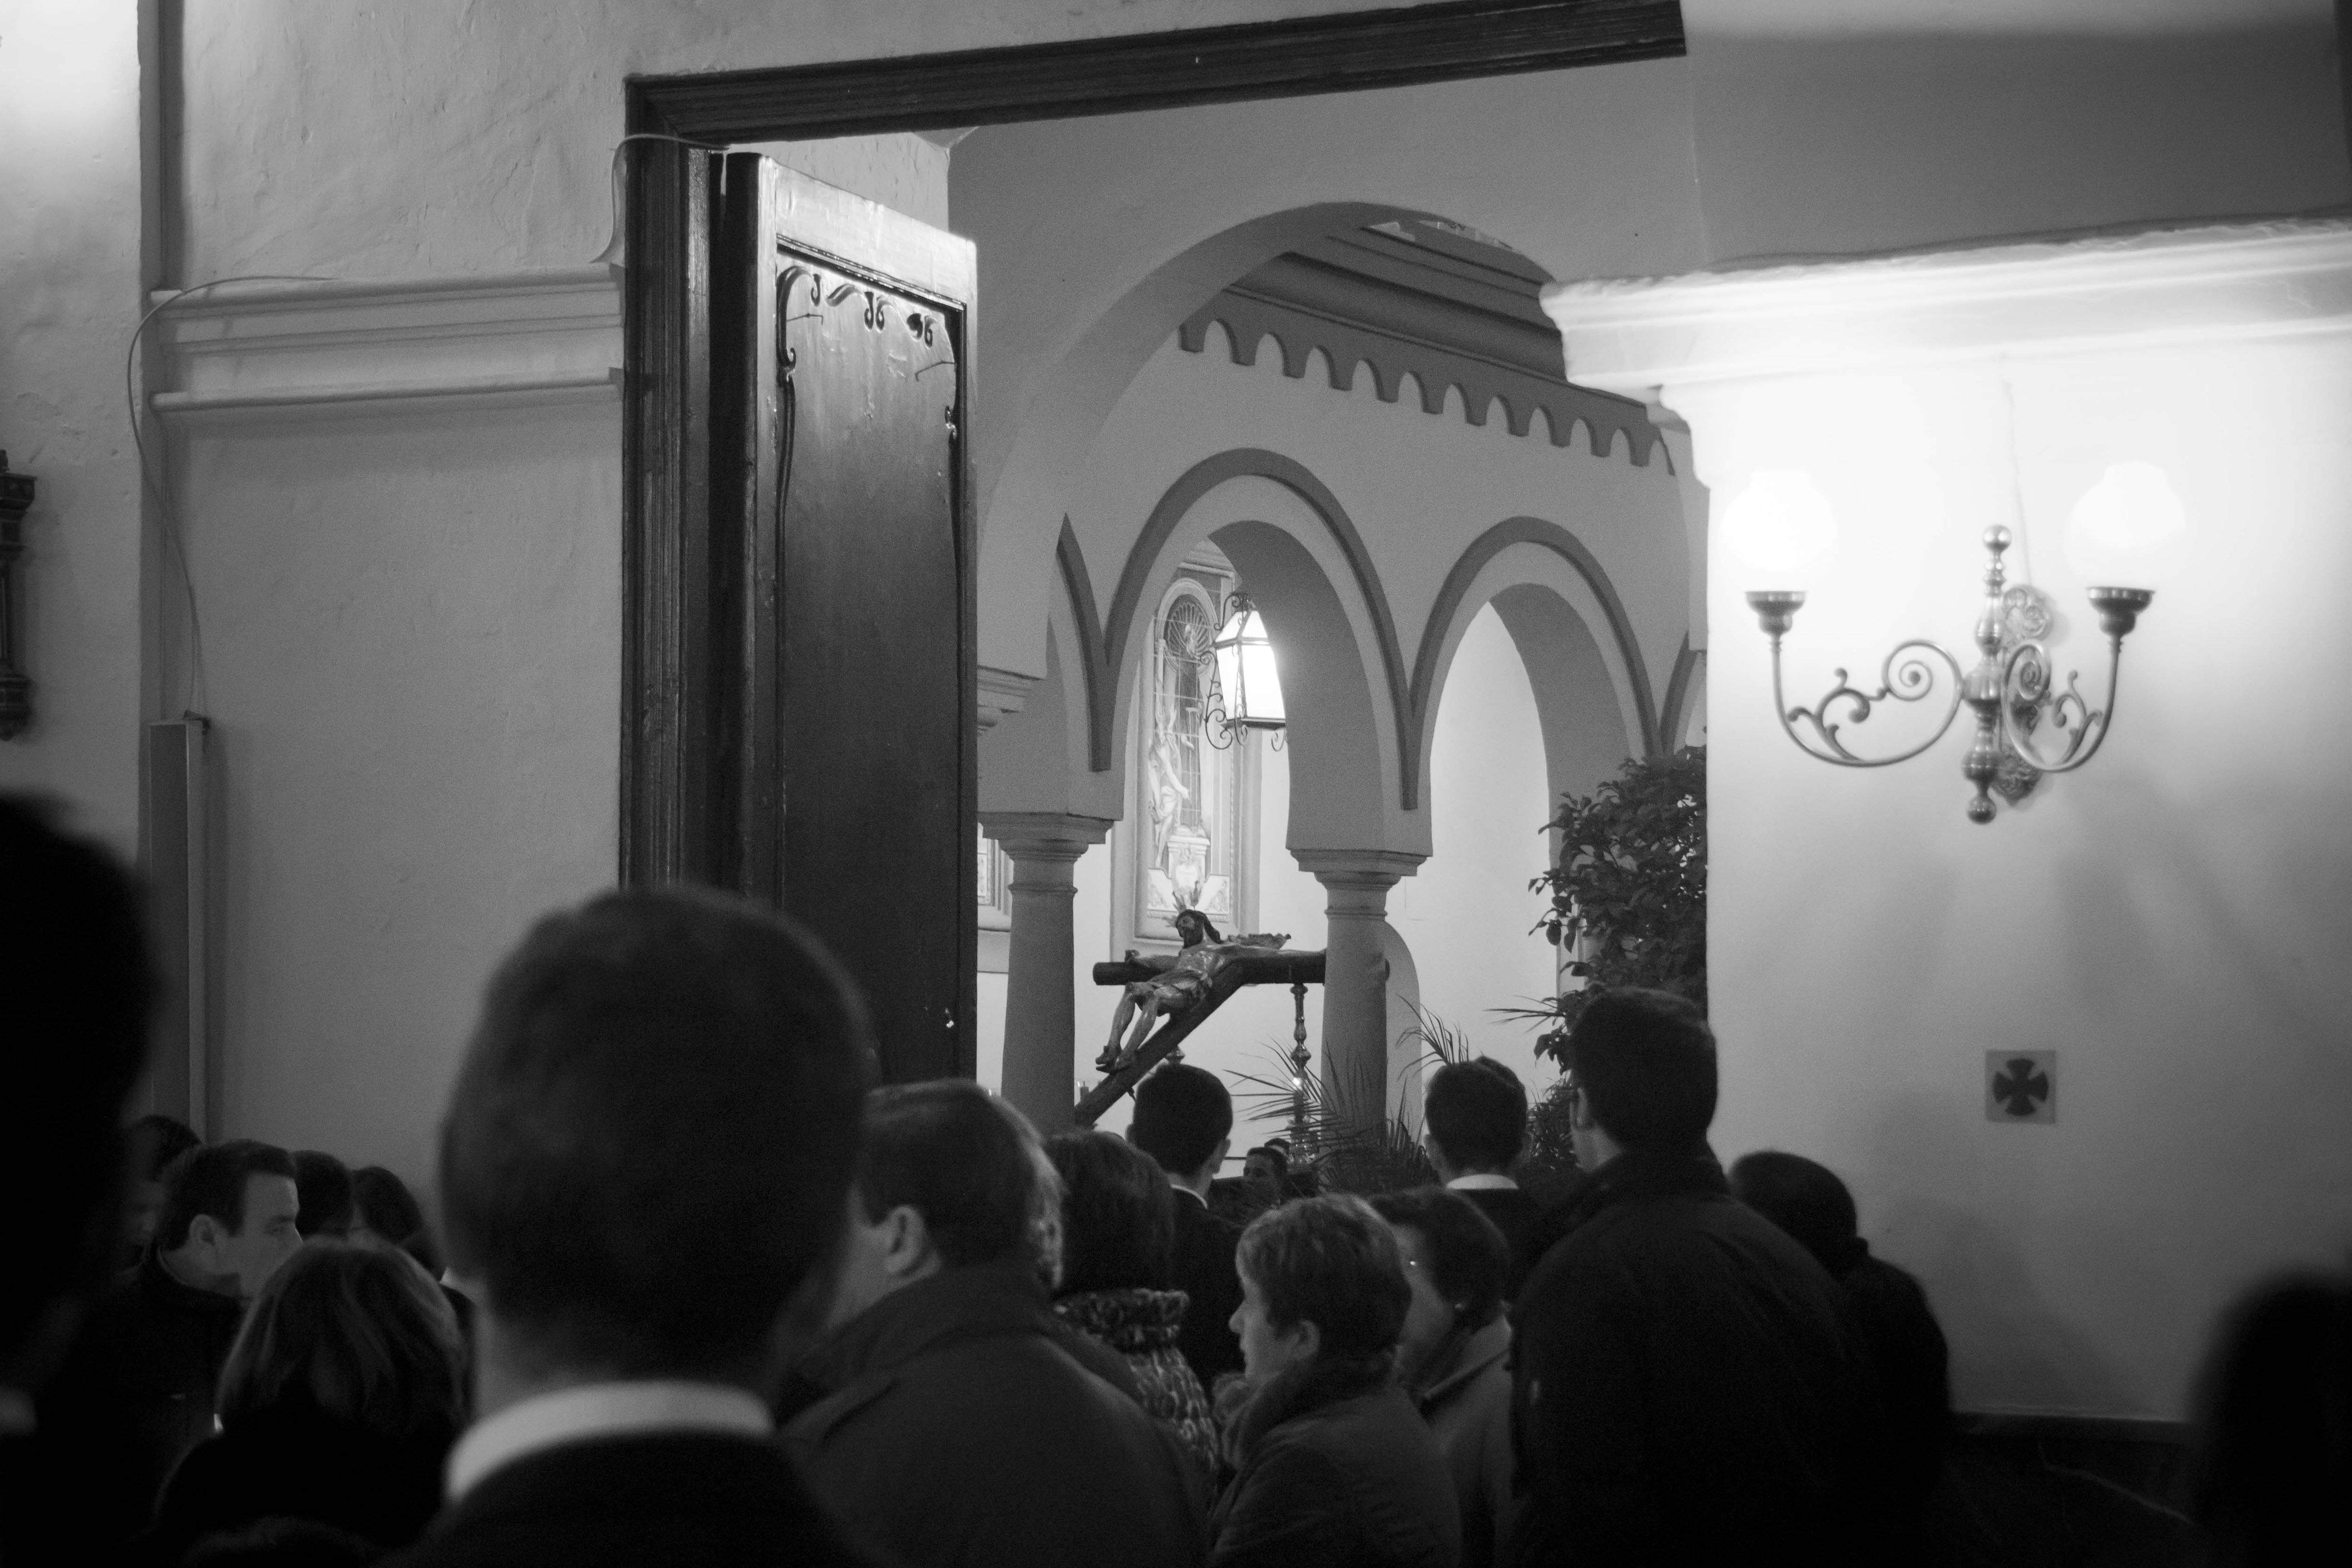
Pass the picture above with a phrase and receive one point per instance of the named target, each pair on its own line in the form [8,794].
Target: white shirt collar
[1481,1182]
[601,1410]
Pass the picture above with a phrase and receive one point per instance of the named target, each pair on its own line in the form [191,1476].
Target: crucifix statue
[1177,992]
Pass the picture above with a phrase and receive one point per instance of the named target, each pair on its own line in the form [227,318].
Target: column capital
[1044,834]
[1377,870]
[1002,694]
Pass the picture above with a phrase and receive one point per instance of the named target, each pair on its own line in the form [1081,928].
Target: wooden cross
[1231,965]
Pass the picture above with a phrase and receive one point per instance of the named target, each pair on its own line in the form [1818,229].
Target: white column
[1356,883]
[1040,990]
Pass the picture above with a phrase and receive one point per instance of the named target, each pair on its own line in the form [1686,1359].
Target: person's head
[1474,1117]
[650,1137]
[1118,1216]
[388,1210]
[80,993]
[355,1331]
[228,1217]
[2271,1455]
[1322,1280]
[1192,928]
[324,1183]
[949,1176]
[1640,1066]
[1266,1164]
[1183,1119]
[1806,1200]
[1456,1262]
[156,1140]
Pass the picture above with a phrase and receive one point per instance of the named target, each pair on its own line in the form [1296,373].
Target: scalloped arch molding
[1103,644]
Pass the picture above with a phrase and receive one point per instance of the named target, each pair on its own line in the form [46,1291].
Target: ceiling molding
[1456,319]
[262,349]
[2161,287]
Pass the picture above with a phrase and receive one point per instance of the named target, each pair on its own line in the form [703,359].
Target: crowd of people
[712,1295]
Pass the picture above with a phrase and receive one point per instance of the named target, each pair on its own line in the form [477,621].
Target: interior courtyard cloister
[1456,382]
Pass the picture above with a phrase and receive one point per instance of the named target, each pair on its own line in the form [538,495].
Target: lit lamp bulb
[1777,528]
[2129,528]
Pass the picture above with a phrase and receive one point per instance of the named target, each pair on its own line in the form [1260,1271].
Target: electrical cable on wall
[615,246]
[166,519]
[194,691]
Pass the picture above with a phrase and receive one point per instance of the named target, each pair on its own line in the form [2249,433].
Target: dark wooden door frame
[675,693]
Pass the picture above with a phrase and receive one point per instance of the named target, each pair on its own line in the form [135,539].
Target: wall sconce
[1244,691]
[15,686]
[1781,523]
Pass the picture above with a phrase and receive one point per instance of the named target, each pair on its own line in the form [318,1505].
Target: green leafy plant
[1628,890]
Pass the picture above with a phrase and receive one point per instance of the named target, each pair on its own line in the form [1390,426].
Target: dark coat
[681,1499]
[1515,1214]
[958,1430]
[1335,1469]
[1466,1397]
[1906,1347]
[297,1463]
[1204,1268]
[136,1393]
[1688,1387]
[1140,1325]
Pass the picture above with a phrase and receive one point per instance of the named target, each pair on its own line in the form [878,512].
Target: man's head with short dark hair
[1182,1118]
[82,994]
[228,1217]
[947,1150]
[1806,1200]
[949,1176]
[1475,1117]
[1643,1063]
[650,1139]
[325,1186]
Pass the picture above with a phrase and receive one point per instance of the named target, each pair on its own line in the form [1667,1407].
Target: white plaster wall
[70,296]
[2171,921]
[1467,912]
[412,625]
[1842,127]
[452,136]
[989,1066]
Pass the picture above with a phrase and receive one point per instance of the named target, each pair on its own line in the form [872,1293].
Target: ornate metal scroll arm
[2010,690]
[2033,696]
[1901,679]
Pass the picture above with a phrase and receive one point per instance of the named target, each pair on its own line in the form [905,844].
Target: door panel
[845,761]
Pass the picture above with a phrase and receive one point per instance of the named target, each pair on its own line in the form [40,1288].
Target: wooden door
[841,782]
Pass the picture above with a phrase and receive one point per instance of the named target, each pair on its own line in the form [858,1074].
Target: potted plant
[1628,904]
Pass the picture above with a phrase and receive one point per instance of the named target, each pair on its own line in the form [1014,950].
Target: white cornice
[278,349]
[2057,297]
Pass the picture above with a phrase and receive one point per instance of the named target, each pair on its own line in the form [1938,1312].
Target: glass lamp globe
[2128,530]
[1777,527]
